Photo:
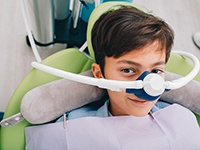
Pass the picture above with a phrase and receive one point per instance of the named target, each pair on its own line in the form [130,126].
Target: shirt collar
[103,110]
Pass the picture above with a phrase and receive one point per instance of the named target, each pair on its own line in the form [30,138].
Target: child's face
[128,68]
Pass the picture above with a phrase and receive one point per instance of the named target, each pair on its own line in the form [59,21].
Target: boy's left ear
[96,70]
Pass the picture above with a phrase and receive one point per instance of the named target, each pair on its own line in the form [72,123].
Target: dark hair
[121,30]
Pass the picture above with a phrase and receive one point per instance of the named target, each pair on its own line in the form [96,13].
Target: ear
[96,70]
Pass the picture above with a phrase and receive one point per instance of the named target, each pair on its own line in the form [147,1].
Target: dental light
[148,86]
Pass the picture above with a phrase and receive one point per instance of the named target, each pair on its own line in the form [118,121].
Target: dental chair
[72,60]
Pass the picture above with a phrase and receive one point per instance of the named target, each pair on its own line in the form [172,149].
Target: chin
[139,113]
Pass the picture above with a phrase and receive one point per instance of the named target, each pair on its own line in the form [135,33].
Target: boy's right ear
[96,70]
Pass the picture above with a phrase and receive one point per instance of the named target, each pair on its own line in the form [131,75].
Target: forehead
[153,50]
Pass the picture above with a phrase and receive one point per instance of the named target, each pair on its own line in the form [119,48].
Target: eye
[158,71]
[128,71]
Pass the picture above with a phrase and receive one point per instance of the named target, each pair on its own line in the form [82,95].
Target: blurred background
[16,56]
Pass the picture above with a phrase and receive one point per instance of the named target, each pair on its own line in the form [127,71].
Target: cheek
[111,73]
[116,96]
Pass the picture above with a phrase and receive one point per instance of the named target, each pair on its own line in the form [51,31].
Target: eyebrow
[138,64]
[128,62]
[159,63]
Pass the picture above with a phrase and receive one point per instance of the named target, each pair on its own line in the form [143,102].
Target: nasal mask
[149,86]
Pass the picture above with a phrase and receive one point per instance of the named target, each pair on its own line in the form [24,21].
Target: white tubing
[83,47]
[97,3]
[28,30]
[102,83]
[175,84]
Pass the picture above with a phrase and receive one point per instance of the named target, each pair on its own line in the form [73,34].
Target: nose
[153,86]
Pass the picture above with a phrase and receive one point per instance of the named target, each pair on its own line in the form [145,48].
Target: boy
[126,43]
